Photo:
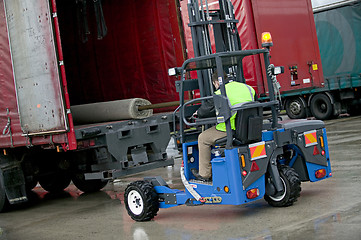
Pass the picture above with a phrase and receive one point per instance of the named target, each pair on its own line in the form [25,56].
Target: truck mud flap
[14,184]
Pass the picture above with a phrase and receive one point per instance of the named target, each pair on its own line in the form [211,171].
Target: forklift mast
[213,28]
[215,37]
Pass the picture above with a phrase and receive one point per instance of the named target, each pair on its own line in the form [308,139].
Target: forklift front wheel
[141,201]
[292,188]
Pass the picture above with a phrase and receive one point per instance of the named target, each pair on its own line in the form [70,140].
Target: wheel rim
[135,202]
[323,107]
[295,108]
[277,199]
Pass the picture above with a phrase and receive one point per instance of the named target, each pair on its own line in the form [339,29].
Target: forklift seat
[248,124]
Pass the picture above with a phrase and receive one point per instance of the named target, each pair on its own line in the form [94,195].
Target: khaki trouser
[205,140]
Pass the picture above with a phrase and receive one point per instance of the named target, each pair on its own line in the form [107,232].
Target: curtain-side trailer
[328,33]
[57,54]
[339,36]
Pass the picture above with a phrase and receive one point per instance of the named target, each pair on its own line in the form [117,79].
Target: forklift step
[201,182]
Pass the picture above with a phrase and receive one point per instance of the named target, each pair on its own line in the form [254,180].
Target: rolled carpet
[110,111]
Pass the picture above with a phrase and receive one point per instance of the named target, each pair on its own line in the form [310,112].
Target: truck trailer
[319,45]
[339,37]
[315,83]
[59,55]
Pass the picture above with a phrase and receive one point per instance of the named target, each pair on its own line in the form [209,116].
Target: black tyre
[295,108]
[87,186]
[354,109]
[4,203]
[55,182]
[291,184]
[321,107]
[29,185]
[141,201]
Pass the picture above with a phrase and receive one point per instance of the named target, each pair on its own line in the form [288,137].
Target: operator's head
[215,79]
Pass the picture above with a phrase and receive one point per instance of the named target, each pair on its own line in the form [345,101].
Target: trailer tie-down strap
[82,18]
[189,187]
[101,26]
[7,128]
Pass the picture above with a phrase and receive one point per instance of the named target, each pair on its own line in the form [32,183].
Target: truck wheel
[141,201]
[295,108]
[87,186]
[55,182]
[31,184]
[291,184]
[321,107]
[3,199]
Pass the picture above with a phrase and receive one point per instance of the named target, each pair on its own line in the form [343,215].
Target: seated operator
[237,93]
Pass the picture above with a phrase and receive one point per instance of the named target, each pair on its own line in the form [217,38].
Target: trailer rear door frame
[36,67]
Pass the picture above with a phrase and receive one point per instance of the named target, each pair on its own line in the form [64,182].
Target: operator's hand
[194,117]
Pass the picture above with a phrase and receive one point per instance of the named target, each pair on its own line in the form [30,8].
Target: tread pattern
[149,197]
[293,185]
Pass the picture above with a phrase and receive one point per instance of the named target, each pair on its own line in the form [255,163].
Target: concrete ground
[330,209]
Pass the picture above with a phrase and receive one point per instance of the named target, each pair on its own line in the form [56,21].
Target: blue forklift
[262,158]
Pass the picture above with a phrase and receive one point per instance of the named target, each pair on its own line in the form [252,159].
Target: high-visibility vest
[237,93]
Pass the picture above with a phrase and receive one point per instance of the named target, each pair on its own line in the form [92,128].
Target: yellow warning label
[314,67]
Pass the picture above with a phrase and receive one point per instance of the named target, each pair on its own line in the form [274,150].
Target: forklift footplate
[201,182]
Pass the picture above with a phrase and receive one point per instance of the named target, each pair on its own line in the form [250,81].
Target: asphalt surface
[329,209]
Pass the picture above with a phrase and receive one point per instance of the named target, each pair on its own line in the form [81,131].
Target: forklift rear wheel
[141,201]
[87,186]
[292,188]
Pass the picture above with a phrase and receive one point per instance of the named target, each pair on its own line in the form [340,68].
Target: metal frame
[217,61]
[24,77]
[127,147]
[224,29]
